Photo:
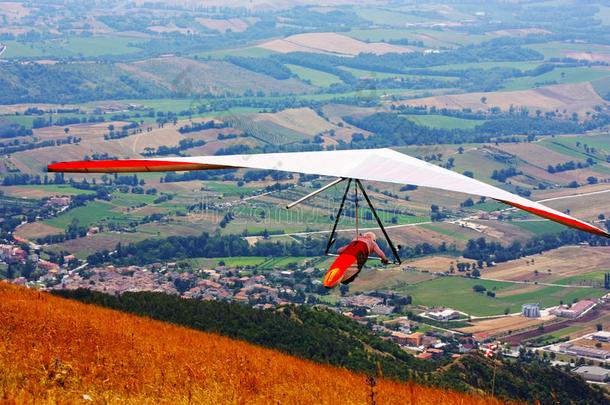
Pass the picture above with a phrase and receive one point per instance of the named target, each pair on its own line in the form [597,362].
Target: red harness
[359,250]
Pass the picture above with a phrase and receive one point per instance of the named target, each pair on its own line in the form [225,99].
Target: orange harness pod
[356,252]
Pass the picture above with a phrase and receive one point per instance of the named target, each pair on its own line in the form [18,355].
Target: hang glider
[385,165]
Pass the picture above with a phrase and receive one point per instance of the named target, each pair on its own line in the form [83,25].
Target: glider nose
[332,278]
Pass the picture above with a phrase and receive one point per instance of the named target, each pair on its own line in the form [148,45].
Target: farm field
[436,264]
[574,97]
[563,262]
[374,278]
[315,77]
[433,293]
[548,338]
[330,43]
[92,212]
[43,190]
[595,278]
[539,227]
[498,326]
[563,49]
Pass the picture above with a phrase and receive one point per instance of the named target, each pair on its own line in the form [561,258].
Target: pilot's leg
[351,273]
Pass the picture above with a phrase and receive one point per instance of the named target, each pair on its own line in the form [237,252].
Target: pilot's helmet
[371,235]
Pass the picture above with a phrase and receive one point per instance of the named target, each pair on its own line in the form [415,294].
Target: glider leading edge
[385,165]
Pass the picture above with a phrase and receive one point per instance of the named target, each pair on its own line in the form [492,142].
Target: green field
[556,76]
[315,77]
[567,146]
[230,189]
[491,205]
[60,189]
[78,46]
[551,296]
[444,231]
[444,122]
[599,142]
[585,279]
[92,212]
[457,293]
[539,227]
[130,199]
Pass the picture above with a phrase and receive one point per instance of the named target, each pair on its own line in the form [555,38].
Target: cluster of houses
[373,303]
[12,253]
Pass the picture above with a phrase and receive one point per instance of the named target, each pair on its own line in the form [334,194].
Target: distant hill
[60,351]
[324,336]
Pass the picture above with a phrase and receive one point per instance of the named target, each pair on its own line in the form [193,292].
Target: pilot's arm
[379,253]
[341,249]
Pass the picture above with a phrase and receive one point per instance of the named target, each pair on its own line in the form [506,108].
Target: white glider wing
[384,165]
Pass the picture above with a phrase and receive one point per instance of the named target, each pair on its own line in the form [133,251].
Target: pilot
[361,247]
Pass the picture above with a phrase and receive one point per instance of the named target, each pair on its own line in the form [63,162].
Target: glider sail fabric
[385,165]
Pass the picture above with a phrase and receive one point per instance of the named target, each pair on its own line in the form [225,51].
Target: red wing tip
[127,165]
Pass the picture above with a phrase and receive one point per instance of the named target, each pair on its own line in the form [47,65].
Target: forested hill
[327,337]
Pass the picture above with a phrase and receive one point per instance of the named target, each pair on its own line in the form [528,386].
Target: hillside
[321,335]
[56,350]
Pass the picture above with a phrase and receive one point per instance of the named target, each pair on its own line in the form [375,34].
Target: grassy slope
[56,351]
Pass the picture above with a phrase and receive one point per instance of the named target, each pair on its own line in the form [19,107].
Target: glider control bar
[308,196]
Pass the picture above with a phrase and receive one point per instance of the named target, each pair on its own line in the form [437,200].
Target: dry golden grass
[496,326]
[33,230]
[564,262]
[299,119]
[57,351]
